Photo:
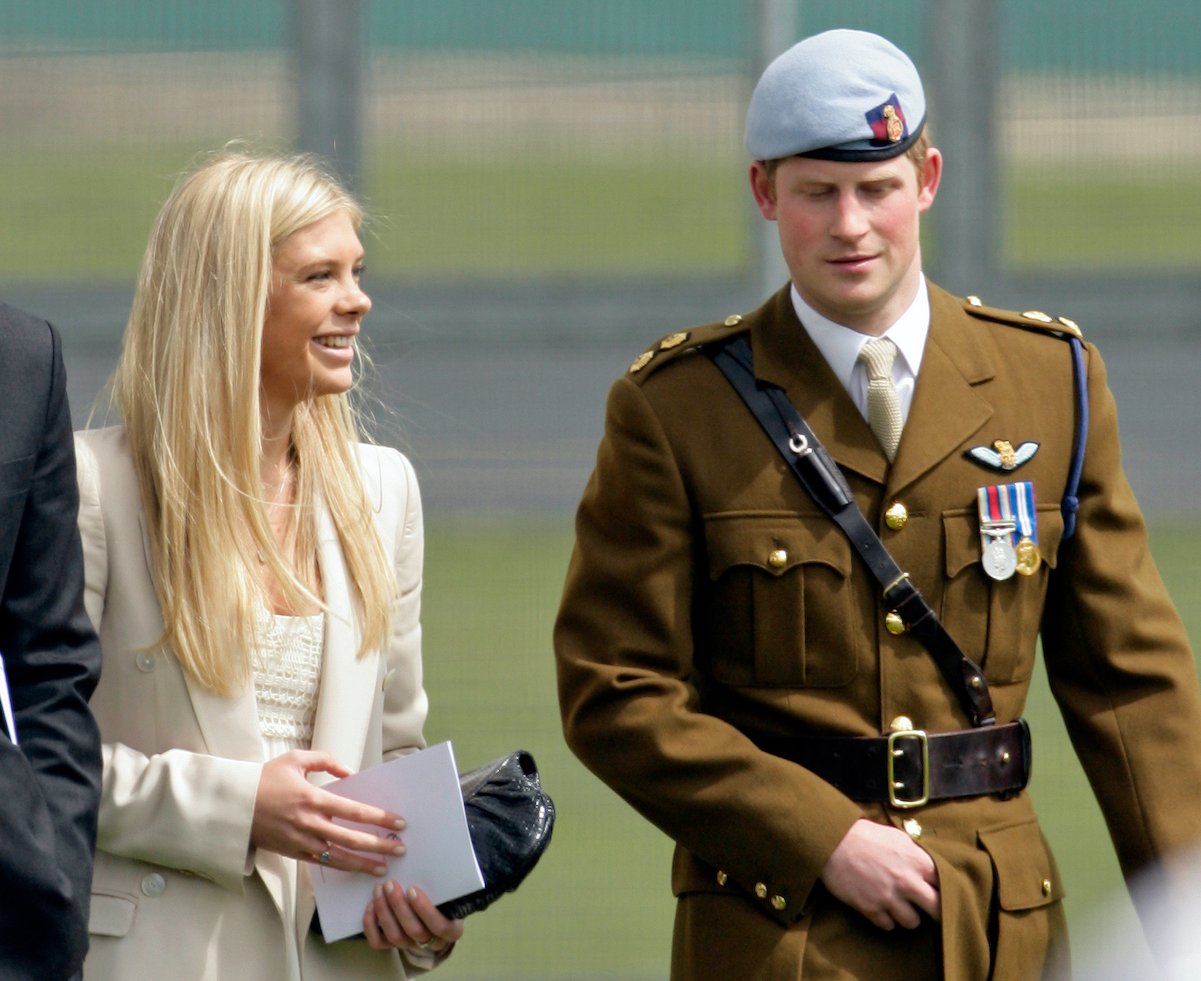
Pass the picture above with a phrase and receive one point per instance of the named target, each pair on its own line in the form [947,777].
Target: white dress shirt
[840,346]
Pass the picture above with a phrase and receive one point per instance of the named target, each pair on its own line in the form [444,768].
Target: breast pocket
[778,610]
[995,621]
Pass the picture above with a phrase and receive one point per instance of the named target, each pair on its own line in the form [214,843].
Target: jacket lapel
[229,724]
[348,682]
[946,410]
[947,406]
[348,685]
[785,356]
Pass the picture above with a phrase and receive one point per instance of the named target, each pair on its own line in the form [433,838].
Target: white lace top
[287,679]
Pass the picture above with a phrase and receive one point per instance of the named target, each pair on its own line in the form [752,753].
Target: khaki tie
[883,406]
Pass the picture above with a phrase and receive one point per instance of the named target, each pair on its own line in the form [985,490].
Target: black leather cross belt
[910,767]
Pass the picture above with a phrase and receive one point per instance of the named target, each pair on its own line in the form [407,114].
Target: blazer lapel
[348,685]
[348,682]
[229,724]
[947,406]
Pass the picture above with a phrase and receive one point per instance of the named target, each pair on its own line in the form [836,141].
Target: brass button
[1004,757]
[778,902]
[902,723]
[721,877]
[778,558]
[975,301]
[1046,887]
[760,890]
[975,682]
[912,828]
[733,320]
[1038,315]
[896,516]
[673,340]
[894,624]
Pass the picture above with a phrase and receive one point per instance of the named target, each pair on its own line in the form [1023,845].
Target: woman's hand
[409,921]
[294,818]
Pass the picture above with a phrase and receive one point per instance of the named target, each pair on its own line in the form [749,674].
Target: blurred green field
[72,216]
[599,905]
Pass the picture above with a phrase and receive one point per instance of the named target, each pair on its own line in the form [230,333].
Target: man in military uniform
[844,805]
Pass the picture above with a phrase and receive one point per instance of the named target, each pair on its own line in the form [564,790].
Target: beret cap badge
[887,122]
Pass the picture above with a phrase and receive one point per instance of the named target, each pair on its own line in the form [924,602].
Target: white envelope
[423,788]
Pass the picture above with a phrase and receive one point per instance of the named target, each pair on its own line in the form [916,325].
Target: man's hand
[880,871]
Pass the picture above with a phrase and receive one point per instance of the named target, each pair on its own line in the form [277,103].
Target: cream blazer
[178,892]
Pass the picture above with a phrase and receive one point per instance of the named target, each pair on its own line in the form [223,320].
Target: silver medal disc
[1000,560]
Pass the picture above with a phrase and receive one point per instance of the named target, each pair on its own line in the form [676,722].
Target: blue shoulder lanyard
[1071,502]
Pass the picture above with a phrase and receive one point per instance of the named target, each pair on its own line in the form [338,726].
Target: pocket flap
[1026,874]
[961,529]
[774,542]
[111,916]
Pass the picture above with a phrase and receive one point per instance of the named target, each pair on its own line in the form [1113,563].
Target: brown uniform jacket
[678,641]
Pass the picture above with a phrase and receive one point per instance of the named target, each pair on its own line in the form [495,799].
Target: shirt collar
[840,345]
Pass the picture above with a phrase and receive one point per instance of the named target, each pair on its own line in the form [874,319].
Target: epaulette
[1066,330]
[1029,320]
[684,341]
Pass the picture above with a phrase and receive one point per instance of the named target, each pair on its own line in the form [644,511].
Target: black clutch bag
[510,818]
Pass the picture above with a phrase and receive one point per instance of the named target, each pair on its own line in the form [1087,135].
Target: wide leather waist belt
[910,768]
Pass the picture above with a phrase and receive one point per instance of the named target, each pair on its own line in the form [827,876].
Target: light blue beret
[840,95]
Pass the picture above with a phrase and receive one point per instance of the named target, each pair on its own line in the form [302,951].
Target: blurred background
[554,185]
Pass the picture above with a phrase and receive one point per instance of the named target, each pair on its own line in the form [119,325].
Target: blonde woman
[254,573]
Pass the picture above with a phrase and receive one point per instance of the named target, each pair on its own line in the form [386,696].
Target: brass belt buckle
[895,753]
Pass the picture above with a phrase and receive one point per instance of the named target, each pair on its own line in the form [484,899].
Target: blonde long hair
[187,386]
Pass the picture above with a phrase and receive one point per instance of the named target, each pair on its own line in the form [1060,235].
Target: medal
[1028,556]
[997,525]
[999,559]
[1008,530]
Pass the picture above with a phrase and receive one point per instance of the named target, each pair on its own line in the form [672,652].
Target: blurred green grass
[551,212]
[1081,217]
[599,905]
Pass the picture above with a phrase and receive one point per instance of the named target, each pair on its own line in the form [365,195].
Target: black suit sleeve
[50,780]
